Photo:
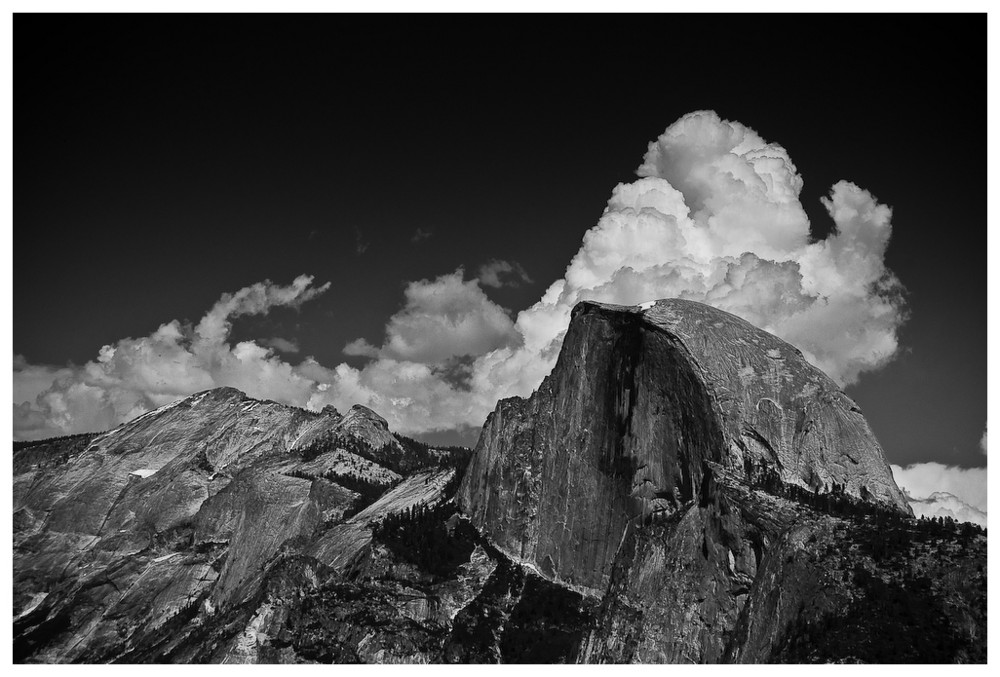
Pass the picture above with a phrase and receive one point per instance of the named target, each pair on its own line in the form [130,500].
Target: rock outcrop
[190,504]
[721,498]
[640,399]
[748,576]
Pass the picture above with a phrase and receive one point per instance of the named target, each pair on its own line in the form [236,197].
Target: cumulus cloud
[136,375]
[938,490]
[32,380]
[921,480]
[498,274]
[359,347]
[943,504]
[421,377]
[714,217]
[443,318]
[413,397]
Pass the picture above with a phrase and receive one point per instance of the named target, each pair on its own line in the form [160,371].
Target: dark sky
[163,160]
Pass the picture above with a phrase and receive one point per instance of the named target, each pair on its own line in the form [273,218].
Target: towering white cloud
[714,217]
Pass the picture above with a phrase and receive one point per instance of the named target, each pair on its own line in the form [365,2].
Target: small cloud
[443,318]
[982,442]
[498,274]
[420,234]
[257,299]
[313,234]
[360,348]
[280,344]
[360,245]
[136,375]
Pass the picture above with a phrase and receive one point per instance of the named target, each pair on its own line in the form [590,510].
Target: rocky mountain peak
[641,399]
[221,394]
[360,412]
[776,409]
[363,423]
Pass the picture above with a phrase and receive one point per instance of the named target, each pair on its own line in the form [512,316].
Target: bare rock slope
[639,401]
[721,498]
[183,509]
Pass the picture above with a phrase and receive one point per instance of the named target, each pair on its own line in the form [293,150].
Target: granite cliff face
[721,498]
[682,488]
[769,575]
[639,401]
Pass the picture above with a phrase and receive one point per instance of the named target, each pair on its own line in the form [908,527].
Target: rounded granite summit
[641,401]
[775,407]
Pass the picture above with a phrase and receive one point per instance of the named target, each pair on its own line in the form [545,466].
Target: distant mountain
[682,488]
[181,511]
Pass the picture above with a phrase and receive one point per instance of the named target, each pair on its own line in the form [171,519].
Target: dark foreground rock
[750,576]
[682,488]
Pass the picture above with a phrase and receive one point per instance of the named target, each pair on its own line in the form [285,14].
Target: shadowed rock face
[639,401]
[745,576]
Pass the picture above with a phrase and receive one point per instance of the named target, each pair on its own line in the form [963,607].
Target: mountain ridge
[676,490]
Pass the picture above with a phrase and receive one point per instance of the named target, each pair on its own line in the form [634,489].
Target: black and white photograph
[441,335]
